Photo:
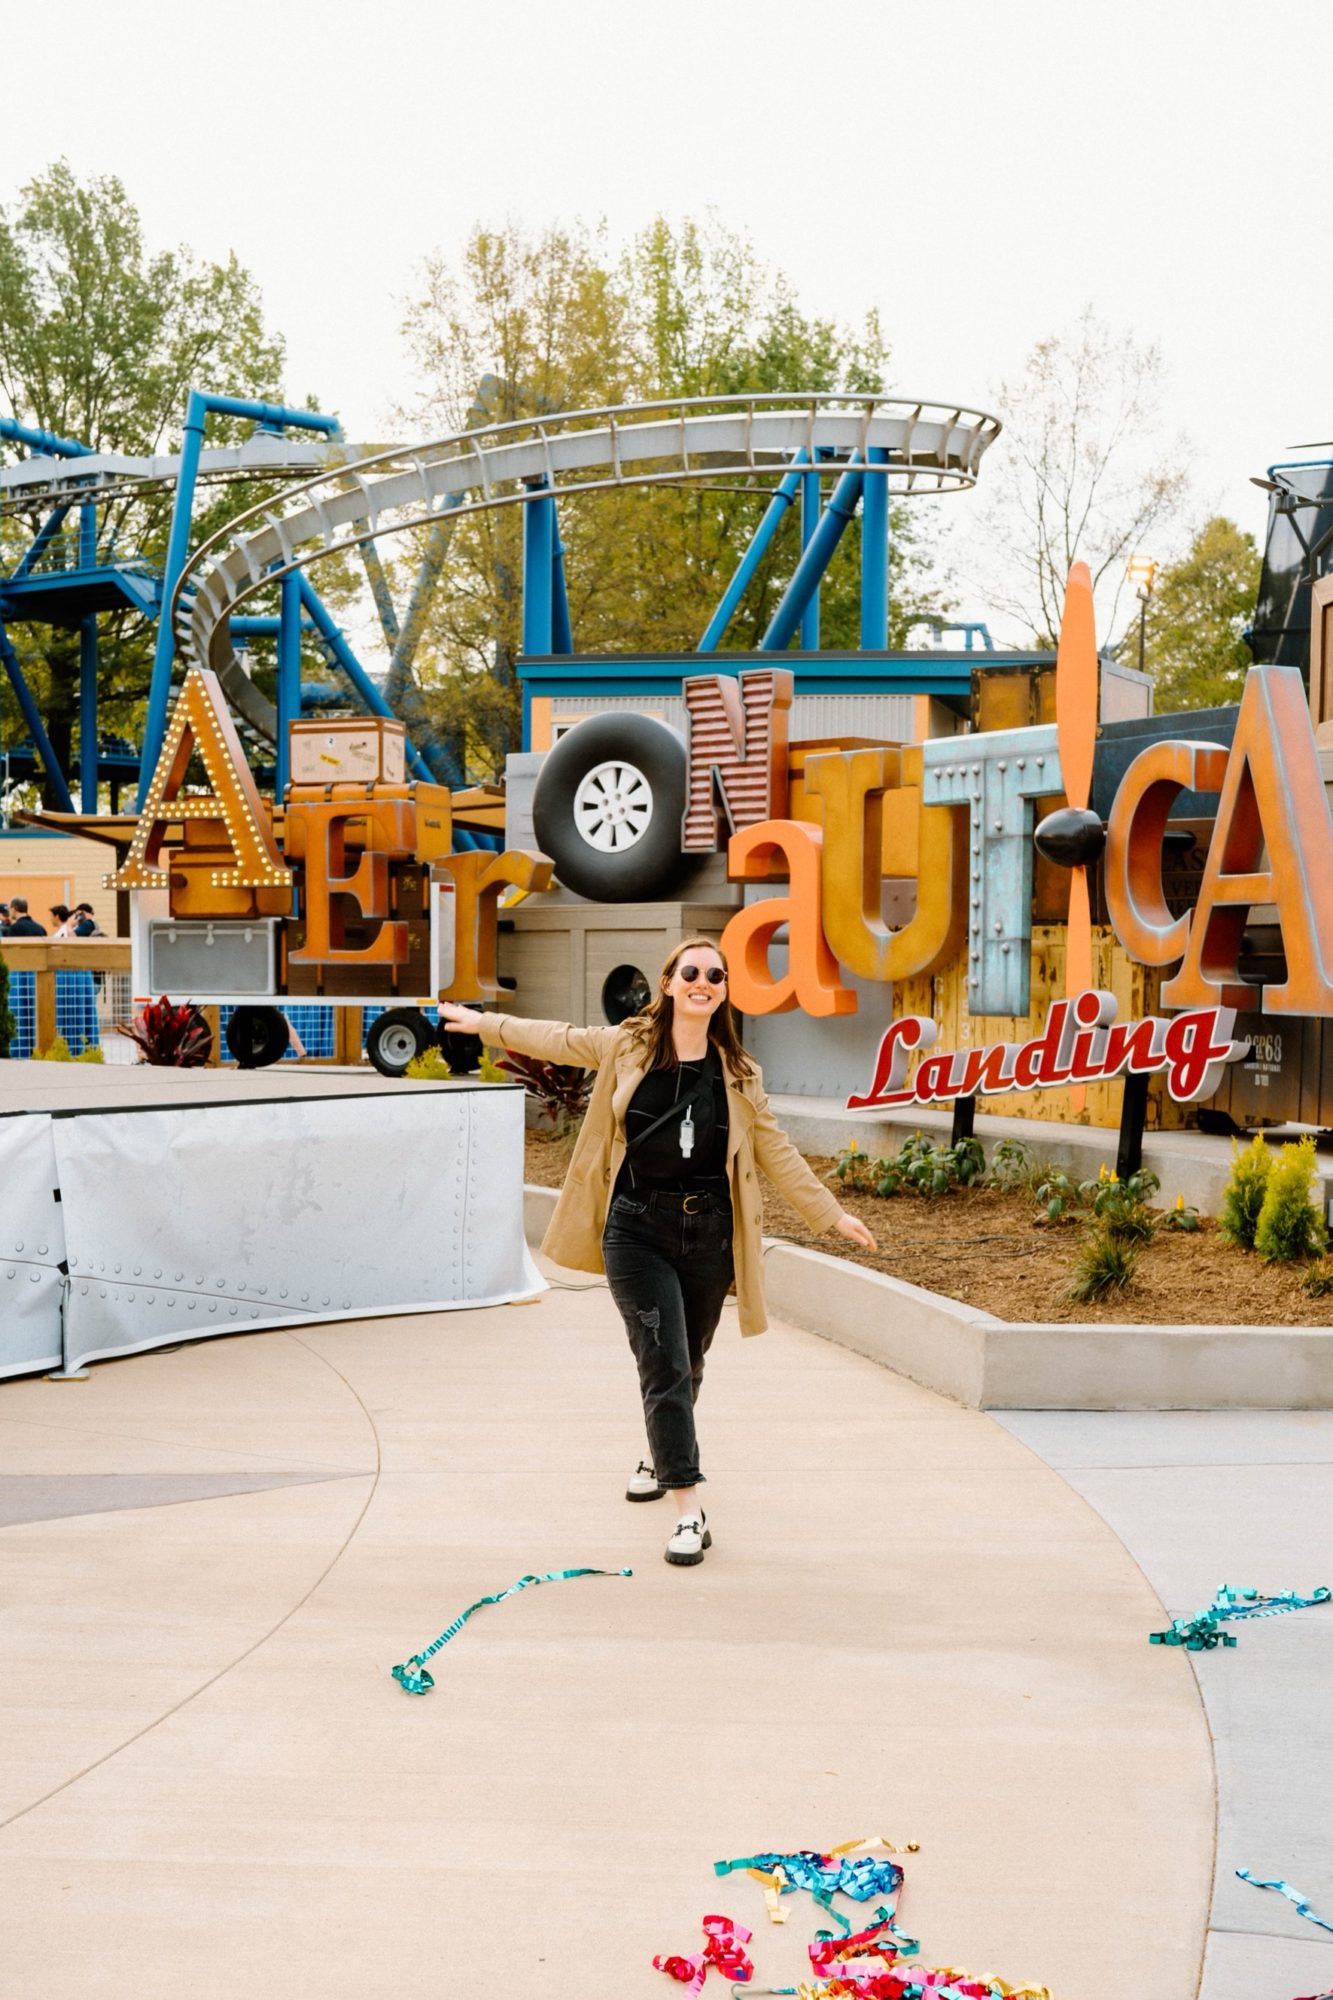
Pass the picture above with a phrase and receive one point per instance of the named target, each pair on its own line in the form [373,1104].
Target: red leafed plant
[174,1037]
[561,1089]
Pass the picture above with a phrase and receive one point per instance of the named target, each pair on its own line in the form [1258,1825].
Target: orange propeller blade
[1076,687]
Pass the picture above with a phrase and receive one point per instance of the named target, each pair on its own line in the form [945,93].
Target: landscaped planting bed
[988,1247]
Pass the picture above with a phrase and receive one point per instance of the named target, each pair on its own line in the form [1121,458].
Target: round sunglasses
[714,974]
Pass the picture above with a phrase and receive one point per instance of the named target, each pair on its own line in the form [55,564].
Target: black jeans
[669,1272]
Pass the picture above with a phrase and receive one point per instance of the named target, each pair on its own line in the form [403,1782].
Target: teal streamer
[412,1677]
[1303,1908]
[1202,1632]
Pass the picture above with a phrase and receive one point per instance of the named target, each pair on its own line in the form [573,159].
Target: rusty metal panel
[1265,1089]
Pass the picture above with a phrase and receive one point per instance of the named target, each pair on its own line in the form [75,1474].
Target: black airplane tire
[607,809]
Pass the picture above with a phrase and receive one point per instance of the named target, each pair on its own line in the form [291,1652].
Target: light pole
[1142,571]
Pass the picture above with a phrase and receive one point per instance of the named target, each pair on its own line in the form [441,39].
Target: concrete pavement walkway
[1243,1497]
[909,1625]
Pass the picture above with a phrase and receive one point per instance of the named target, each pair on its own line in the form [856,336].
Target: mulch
[986,1248]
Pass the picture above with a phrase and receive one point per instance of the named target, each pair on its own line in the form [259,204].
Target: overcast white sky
[978,172]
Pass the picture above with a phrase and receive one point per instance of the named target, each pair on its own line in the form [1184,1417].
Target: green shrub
[429,1067]
[1244,1195]
[57,1051]
[1290,1226]
[1121,1207]
[1318,1279]
[854,1169]
[8,1025]
[488,1069]
[1014,1168]
[1058,1197]
[1106,1263]
[90,1054]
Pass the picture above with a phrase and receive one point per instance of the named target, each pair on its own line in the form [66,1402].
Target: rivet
[1004,947]
[998,825]
[1019,763]
[1003,765]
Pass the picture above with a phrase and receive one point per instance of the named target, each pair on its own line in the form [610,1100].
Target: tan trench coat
[755,1140]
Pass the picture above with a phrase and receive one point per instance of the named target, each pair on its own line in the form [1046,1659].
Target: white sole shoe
[689,1541]
[643,1484]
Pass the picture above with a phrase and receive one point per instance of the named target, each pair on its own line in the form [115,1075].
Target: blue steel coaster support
[811,501]
[88,713]
[772,520]
[875,555]
[289,674]
[43,444]
[361,682]
[538,572]
[269,416]
[45,535]
[88,669]
[32,715]
[562,637]
[814,561]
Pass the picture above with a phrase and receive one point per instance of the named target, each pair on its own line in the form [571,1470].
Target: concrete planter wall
[990,1364]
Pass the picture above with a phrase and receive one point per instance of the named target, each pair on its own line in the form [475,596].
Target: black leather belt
[699,1202]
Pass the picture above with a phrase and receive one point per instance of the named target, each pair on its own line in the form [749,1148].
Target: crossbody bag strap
[692,1097]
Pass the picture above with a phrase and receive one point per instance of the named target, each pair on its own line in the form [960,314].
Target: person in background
[64,926]
[85,923]
[661,1194]
[20,923]
[4,917]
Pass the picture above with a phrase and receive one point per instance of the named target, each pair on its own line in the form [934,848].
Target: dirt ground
[985,1247]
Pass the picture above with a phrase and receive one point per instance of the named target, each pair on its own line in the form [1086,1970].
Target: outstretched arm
[548,1041]
[798,1183]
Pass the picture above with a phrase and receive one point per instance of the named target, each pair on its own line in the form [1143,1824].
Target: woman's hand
[465,1019]
[852,1227]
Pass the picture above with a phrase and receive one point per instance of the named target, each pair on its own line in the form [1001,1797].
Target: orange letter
[478,879]
[1272,799]
[200,721]
[319,832]
[811,980]
[1134,835]
[850,784]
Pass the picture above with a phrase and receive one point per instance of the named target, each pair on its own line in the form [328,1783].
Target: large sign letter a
[200,721]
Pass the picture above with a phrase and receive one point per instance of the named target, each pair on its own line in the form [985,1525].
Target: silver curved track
[927,448]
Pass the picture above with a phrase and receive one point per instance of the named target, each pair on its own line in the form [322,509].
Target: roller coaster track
[40,482]
[919,448]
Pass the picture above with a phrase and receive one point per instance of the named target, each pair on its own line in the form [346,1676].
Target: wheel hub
[613,806]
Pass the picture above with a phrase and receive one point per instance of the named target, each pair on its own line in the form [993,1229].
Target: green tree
[101,339]
[561,321]
[1078,474]
[1194,646]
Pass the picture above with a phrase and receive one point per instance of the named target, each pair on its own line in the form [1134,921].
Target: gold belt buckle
[688,1207]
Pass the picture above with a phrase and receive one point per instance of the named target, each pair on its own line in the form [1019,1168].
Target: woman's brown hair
[652,1027]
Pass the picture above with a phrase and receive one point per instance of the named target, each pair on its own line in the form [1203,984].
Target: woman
[661,1194]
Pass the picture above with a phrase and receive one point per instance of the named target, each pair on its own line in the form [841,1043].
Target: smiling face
[697,997]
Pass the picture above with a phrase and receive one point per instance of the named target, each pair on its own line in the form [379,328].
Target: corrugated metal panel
[813,716]
[889,716]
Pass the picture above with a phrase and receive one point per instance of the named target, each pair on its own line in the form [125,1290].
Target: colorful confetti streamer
[1201,1633]
[1303,1908]
[725,1949]
[823,1875]
[412,1677]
